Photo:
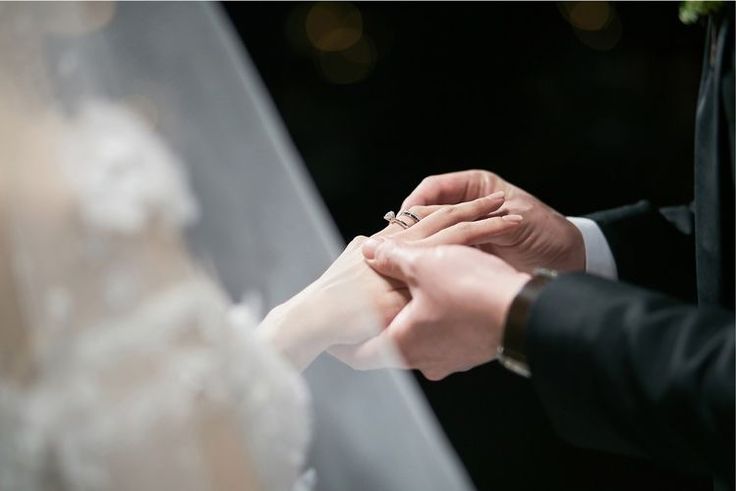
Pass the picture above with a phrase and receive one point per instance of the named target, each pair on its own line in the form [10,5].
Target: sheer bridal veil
[152,210]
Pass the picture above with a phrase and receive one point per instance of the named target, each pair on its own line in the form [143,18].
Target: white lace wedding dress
[139,366]
[146,183]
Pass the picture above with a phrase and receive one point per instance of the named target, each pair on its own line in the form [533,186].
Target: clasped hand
[440,303]
[340,310]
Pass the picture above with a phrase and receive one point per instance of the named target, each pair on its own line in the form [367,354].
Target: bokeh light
[589,16]
[596,24]
[334,26]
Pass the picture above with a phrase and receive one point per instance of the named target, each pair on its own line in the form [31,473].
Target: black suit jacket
[649,369]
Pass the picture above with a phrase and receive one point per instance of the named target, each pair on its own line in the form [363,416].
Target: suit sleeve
[623,369]
[653,248]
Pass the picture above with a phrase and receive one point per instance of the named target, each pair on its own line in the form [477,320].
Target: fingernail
[512,218]
[370,245]
[496,195]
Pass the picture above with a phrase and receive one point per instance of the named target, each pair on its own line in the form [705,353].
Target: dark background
[586,116]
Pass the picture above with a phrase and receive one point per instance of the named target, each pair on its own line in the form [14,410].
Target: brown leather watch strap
[512,352]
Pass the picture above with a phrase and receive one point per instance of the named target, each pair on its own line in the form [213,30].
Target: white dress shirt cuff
[598,256]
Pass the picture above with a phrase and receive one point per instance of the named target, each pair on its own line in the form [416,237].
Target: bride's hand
[350,301]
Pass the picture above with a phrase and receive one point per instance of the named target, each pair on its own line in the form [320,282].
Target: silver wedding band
[410,215]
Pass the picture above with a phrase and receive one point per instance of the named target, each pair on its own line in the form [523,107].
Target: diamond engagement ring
[390,217]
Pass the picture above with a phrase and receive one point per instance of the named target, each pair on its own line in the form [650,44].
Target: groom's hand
[460,298]
[544,239]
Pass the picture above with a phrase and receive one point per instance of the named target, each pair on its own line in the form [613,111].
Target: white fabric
[599,259]
[146,184]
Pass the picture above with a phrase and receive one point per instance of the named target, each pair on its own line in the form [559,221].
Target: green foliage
[693,10]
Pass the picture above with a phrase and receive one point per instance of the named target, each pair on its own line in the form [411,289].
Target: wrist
[290,328]
[512,349]
[575,260]
[578,250]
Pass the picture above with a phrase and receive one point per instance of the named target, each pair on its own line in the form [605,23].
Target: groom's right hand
[544,239]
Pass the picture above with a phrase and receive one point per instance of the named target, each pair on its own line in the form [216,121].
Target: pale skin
[460,296]
[443,307]
[342,308]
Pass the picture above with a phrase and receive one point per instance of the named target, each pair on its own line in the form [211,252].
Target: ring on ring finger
[411,215]
[391,218]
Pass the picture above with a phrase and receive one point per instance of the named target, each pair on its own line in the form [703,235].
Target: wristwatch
[512,350]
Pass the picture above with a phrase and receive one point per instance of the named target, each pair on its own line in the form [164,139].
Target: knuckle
[491,179]
[486,174]
[428,182]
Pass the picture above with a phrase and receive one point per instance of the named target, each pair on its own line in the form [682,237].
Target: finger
[451,214]
[430,191]
[442,189]
[395,228]
[391,258]
[417,211]
[415,214]
[473,233]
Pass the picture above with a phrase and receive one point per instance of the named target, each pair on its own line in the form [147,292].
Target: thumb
[392,258]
